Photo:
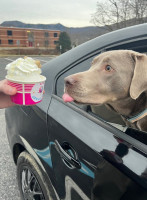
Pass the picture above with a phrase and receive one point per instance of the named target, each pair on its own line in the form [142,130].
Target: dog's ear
[139,80]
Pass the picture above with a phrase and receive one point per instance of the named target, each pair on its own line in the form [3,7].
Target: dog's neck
[138,117]
[129,107]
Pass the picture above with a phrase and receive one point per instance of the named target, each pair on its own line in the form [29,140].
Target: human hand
[5,92]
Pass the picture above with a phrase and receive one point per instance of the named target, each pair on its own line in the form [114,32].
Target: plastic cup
[27,93]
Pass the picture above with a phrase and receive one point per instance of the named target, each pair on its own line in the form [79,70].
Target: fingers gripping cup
[24,75]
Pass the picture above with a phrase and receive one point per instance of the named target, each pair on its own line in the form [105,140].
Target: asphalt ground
[8,181]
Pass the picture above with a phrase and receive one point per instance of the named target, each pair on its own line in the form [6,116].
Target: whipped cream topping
[24,70]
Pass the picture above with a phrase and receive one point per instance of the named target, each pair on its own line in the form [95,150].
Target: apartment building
[28,37]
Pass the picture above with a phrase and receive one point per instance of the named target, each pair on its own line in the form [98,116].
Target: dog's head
[113,75]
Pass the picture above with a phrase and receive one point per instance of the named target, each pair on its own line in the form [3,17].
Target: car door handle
[68,154]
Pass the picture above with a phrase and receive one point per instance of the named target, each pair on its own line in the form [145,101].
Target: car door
[91,159]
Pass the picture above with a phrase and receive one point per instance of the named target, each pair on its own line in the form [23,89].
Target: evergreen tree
[64,42]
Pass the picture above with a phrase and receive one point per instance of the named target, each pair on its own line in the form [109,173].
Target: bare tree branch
[115,14]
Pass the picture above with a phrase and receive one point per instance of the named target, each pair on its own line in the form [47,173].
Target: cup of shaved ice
[25,75]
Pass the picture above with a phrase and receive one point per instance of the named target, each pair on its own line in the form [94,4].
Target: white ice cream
[24,70]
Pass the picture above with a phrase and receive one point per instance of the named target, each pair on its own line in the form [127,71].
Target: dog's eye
[108,68]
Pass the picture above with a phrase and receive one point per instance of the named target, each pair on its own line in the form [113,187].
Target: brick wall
[22,37]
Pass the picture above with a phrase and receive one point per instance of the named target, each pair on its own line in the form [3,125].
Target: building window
[9,32]
[55,34]
[10,41]
[56,42]
[46,43]
[46,34]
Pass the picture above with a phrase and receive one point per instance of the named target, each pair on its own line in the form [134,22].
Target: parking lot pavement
[8,182]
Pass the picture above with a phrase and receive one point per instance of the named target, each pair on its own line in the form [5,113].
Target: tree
[64,42]
[115,14]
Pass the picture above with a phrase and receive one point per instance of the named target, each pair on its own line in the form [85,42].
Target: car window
[102,112]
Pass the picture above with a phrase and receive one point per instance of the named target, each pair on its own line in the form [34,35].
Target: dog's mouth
[67,98]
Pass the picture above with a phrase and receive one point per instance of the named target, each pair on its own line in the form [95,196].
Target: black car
[63,150]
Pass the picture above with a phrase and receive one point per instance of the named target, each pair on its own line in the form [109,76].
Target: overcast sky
[71,13]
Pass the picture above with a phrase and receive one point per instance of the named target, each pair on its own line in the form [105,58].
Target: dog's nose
[69,81]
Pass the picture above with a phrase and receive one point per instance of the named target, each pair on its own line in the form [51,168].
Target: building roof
[10,27]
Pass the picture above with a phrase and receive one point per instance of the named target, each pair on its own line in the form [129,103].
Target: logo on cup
[37,91]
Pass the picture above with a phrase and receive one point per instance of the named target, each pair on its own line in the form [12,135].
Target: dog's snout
[69,81]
